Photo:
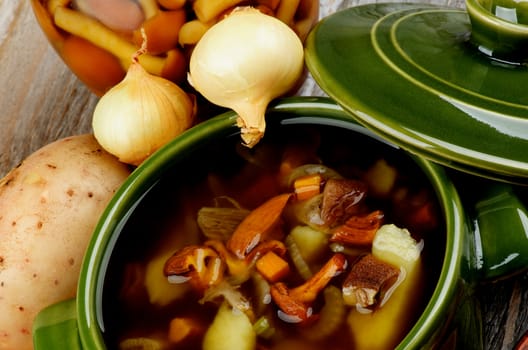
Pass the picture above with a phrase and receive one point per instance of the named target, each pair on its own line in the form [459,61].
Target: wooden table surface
[41,101]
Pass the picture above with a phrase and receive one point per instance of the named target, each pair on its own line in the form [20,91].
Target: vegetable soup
[318,237]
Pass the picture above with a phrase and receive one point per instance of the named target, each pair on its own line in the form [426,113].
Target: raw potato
[49,206]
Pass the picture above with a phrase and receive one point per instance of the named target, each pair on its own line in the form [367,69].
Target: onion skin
[141,114]
[243,62]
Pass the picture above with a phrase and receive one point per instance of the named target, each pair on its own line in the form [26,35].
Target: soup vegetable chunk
[312,241]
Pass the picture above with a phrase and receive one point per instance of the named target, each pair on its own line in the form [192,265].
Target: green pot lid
[410,73]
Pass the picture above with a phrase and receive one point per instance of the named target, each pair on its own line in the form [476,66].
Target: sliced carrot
[162,31]
[272,267]
[184,329]
[97,68]
[307,186]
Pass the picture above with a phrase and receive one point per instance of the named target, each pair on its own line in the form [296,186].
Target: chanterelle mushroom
[296,303]
[199,265]
[358,230]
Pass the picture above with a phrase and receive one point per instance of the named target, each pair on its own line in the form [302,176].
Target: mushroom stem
[296,303]
[308,291]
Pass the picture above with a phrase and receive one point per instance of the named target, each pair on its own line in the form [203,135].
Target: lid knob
[500,28]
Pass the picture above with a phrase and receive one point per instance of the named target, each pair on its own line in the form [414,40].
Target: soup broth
[204,199]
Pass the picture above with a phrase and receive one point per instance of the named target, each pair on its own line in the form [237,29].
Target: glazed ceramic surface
[410,73]
[498,28]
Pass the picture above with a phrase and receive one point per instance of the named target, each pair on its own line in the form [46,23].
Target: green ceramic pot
[471,250]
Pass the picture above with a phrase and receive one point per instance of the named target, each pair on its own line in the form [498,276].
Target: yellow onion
[140,114]
[243,62]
